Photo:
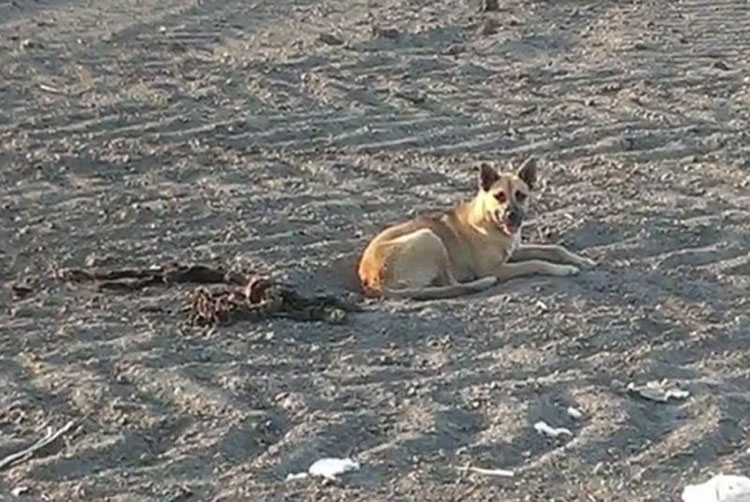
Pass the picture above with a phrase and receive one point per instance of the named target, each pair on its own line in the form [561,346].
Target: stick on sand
[488,472]
[27,453]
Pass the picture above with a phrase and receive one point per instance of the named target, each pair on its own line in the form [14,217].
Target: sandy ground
[279,135]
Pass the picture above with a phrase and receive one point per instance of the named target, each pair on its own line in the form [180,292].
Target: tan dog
[467,248]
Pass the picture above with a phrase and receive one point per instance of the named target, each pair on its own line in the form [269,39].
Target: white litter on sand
[574,413]
[299,475]
[658,391]
[504,473]
[19,490]
[720,488]
[544,428]
[328,468]
[677,394]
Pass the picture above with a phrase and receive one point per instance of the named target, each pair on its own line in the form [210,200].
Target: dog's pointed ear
[487,176]
[527,172]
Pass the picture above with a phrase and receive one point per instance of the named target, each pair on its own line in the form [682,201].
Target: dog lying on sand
[466,249]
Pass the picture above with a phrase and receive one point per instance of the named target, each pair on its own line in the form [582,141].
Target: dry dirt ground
[278,136]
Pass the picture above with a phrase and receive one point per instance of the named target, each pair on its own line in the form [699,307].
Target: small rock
[721,65]
[21,290]
[293,403]
[336,316]
[489,27]
[94,260]
[455,50]
[181,494]
[328,38]
[490,6]
[413,96]
[391,33]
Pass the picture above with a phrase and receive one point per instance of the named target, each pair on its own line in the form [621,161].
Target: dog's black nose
[514,215]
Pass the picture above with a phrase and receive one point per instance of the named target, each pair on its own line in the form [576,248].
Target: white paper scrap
[328,468]
[720,488]
[544,428]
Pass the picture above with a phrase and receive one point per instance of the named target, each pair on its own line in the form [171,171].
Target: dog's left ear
[527,172]
[487,176]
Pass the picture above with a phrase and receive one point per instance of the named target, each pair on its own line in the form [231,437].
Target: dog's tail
[436,292]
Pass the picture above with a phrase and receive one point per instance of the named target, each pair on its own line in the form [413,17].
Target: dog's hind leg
[550,252]
[422,269]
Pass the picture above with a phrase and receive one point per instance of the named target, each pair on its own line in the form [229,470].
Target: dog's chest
[493,252]
[513,245]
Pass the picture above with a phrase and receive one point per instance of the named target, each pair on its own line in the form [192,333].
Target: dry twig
[258,299]
[131,279]
[27,453]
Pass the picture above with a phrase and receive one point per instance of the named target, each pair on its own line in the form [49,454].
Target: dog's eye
[500,196]
[520,196]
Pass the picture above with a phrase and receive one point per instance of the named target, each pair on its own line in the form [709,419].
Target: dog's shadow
[339,276]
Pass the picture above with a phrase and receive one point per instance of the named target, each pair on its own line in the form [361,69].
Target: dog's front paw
[584,262]
[563,270]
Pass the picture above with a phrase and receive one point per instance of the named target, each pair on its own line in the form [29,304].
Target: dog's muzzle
[513,218]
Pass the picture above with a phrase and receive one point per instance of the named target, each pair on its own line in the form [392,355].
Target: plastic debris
[660,392]
[720,488]
[545,429]
[574,413]
[328,468]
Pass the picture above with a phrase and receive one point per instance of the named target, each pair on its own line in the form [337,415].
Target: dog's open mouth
[508,228]
[506,225]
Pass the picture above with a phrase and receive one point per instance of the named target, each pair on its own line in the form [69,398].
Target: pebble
[721,65]
[19,490]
